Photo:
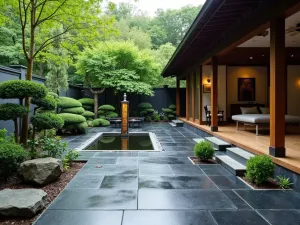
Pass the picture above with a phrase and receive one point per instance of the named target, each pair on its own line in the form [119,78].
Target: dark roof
[215,17]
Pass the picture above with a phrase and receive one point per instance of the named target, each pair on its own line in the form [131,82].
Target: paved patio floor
[163,188]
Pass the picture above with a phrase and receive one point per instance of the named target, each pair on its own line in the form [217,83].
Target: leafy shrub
[90,123]
[72,118]
[43,110]
[21,89]
[166,118]
[100,123]
[88,114]
[284,182]
[173,107]
[171,116]
[86,101]
[66,102]
[204,150]
[46,121]
[3,134]
[101,112]
[77,128]
[11,111]
[259,169]
[68,158]
[112,115]
[144,105]
[149,110]
[73,110]
[11,156]
[48,102]
[53,147]
[143,113]
[167,110]
[53,94]
[107,108]
[148,119]
[88,107]
[156,116]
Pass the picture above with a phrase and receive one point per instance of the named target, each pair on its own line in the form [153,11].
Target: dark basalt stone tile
[281,217]
[75,217]
[271,199]
[190,170]
[142,217]
[102,160]
[236,200]
[115,154]
[151,169]
[164,160]
[95,199]
[85,156]
[93,169]
[127,161]
[168,144]
[183,199]
[177,182]
[174,148]
[120,182]
[229,182]
[238,217]
[86,181]
[215,170]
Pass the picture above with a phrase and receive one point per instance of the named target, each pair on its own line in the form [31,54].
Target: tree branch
[41,11]
[23,25]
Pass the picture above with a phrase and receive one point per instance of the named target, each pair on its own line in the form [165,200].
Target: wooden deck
[259,144]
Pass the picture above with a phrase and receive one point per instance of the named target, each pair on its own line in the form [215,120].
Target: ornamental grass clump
[260,169]
[204,150]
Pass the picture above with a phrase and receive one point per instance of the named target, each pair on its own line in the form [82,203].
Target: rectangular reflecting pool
[116,142]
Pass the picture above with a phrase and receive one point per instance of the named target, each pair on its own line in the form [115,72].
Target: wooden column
[214,95]
[187,96]
[277,88]
[193,80]
[177,96]
[200,96]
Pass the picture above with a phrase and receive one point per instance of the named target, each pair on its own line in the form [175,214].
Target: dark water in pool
[118,143]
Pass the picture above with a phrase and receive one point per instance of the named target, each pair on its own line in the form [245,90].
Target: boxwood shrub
[100,123]
[259,169]
[112,115]
[88,107]
[11,156]
[167,110]
[21,89]
[144,105]
[88,114]
[72,118]
[10,111]
[53,94]
[46,121]
[107,108]
[73,110]
[48,102]
[86,101]
[66,102]
[204,150]
[173,107]
[78,128]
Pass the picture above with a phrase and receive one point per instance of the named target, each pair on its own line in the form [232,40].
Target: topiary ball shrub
[144,105]
[107,108]
[11,111]
[167,110]
[112,115]
[11,156]
[66,102]
[78,128]
[53,94]
[72,118]
[88,107]
[173,107]
[21,89]
[43,110]
[259,169]
[45,121]
[87,101]
[49,102]
[204,150]
[88,114]
[73,110]
[100,123]
[149,110]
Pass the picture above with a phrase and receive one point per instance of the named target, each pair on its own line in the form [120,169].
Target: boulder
[22,202]
[40,171]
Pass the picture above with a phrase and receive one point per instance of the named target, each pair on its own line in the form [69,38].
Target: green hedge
[88,114]
[72,118]
[87,101]
[107,108]
[73,110]
[100,123]
[79,128]
[46,121]
[66,102]
[11,111]
[49,102]
[21,89]
[144,105]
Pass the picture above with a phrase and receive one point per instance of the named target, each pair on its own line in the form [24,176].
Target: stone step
[239,155]
[232,165]
[178,123]
[219,144]
[172,124]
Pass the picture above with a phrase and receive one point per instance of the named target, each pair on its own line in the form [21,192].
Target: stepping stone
[219,144]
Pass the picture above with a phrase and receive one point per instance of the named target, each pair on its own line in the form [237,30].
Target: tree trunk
[16,130]
[96,105]
[41,69]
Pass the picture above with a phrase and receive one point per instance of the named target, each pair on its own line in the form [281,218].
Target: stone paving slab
[281,217]
[215,170]
[229,182]
[85,181]
[120,182]
[189,170]
[164,160]
[149,169]
[109,169]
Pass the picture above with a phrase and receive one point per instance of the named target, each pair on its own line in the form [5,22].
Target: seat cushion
[249,110]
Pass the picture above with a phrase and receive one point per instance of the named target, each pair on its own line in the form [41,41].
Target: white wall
[293,90]
[206,74]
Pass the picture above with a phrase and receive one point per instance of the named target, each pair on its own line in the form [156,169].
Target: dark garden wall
[19,73]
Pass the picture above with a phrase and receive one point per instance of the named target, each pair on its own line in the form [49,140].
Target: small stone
[22,202]
[40,171]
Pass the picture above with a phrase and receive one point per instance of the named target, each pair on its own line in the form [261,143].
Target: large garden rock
[40,171]
[22,202]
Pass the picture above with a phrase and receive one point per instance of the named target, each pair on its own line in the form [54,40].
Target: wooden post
[187,103]
[200,96]
[277,88]
[214,95]
[177,96]
[193,80]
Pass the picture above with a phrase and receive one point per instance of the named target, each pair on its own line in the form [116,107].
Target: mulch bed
[52,190]
[271,184]
[199,162]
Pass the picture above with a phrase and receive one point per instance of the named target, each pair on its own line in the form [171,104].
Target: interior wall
[206,74]
[261,82]
[293,90]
